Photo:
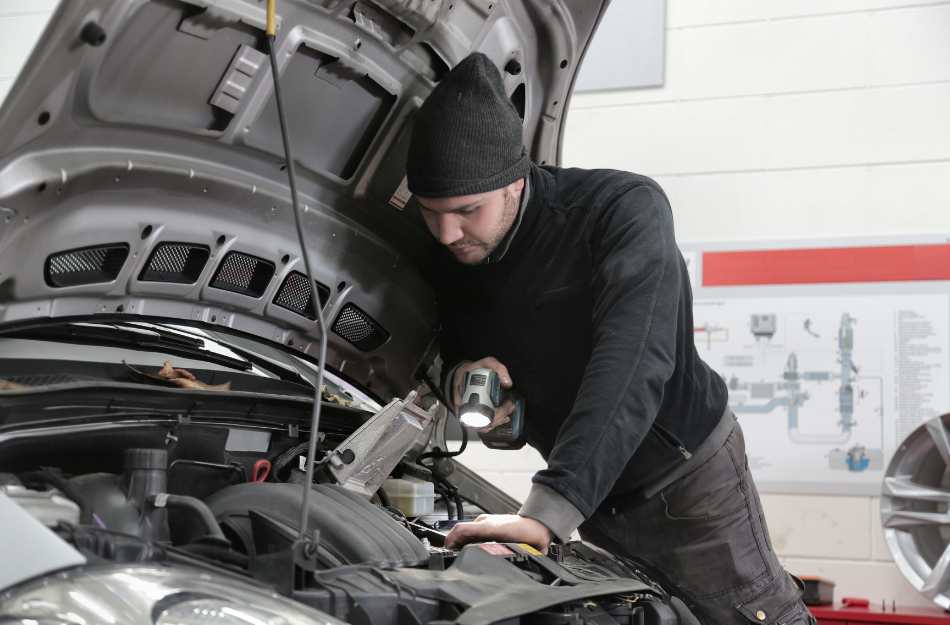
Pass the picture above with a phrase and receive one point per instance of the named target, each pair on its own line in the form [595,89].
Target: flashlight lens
[474,419]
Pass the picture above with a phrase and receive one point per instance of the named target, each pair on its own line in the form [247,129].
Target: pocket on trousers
[779,603]
[717,549]
[711,491]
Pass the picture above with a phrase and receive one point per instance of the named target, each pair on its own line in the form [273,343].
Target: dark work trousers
[704,537]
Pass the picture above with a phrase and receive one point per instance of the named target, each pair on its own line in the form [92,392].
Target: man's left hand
[505,528]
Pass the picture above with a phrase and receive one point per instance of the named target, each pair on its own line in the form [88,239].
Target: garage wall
[786,118]
[794,119]
[20,26]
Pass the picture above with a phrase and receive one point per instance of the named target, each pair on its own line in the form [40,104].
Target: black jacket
[591,311]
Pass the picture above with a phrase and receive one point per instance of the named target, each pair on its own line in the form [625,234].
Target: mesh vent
[243,273]
[176,262]
[295,294]
[88,265]
[359,328]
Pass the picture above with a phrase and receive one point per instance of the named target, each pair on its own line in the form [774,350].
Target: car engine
[185,494]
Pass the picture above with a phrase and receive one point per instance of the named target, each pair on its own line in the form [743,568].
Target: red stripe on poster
[895,263]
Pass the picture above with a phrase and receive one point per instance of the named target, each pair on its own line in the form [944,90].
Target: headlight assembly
[151,595]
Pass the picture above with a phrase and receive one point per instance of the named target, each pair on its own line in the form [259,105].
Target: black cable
[383,497]
[438,453]
[318,309]
[423,376]
[441,489]
[459,504]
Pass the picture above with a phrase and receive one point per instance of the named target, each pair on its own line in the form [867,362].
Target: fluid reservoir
[412,497]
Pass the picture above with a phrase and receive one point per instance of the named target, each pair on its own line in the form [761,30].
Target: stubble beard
[474,251]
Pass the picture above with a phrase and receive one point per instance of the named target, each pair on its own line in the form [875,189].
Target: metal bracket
[363,461]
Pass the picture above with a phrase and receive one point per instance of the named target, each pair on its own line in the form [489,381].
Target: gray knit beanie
[467,135]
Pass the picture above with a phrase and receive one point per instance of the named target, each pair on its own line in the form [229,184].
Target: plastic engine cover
[352,530]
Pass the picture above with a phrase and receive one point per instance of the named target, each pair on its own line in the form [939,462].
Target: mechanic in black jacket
[569,284]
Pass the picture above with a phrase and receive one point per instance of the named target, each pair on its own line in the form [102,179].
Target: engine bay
[204,493]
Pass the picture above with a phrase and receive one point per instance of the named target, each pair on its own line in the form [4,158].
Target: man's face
[472,226]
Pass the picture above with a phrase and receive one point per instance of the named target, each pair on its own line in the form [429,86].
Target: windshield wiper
[137,337]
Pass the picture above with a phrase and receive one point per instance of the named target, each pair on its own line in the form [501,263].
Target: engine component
[120,503]
[352,530]
[488,584]
[914,513]
[202,479]
[412,497]
[364,460]
[209,530]
[48,507]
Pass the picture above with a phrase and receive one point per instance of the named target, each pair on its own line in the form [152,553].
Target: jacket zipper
[668,438]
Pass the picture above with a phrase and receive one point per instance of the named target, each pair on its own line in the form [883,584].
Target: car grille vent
[295,294]
[176,262]
[359,328]
[243,273]
[87,265]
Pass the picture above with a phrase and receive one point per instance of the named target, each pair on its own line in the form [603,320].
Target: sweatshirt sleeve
[636,290]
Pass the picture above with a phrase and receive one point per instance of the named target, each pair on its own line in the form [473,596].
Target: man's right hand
[503,412]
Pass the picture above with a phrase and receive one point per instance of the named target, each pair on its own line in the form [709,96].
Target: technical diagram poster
[826,379]
[825,387]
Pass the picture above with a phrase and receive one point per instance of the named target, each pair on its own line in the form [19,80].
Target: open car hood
[142,173]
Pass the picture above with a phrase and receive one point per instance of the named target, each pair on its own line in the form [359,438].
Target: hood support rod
[317,307]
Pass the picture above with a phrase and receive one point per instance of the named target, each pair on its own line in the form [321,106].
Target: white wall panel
[885,125]
[745,59]
[5,84]
[26,7]
[845,201]
[817,527]
[793,56]
[516,485]
[18,34]
[692,13]
[477,456]
[909,45]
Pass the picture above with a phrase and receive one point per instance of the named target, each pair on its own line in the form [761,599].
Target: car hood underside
[142,171]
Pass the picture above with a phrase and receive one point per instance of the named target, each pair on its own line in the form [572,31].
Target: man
[569,284]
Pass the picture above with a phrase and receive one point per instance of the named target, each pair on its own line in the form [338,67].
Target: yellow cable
[271,18]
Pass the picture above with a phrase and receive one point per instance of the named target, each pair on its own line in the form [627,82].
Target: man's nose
[449,229]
